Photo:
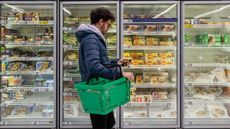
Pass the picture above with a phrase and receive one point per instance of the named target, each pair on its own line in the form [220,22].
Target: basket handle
[107,66]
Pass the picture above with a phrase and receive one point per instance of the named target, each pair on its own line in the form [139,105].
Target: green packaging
[226,39]
[202,38]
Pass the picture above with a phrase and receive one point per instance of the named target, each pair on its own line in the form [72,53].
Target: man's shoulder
[91,36]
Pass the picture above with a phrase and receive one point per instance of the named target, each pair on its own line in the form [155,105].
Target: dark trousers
[102,121]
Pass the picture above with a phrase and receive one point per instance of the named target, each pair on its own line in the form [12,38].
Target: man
[93,58]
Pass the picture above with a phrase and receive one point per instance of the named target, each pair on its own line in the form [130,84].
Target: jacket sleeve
[92,60]
[114,61]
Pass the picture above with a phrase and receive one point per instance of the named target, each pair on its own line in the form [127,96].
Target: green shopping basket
[101,96]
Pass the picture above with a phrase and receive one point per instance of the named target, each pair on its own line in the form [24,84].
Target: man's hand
[128,75]
[123,62]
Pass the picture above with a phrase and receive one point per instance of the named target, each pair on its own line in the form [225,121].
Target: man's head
[102,18]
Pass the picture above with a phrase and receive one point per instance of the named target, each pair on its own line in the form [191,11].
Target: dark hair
[101,13]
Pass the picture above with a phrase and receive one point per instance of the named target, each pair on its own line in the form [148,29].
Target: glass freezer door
[150,41]
[73,15]
[27,40]
[206,41]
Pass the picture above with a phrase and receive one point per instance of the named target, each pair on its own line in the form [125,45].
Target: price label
[188,123]
[188,65]
[37,123]
[45,58]
[5,123]
[147,104]
[5,105]
[129,104]
[46,90]
[70,63]
[190,44]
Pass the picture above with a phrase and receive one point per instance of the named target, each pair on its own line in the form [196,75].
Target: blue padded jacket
[93,54]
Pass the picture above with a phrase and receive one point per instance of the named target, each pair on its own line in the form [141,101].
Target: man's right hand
[128,75]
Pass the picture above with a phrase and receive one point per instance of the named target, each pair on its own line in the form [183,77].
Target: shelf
[159,85]
[149,33]
[149,20]
[28,58]
[30,23]
[190,65]
[153,103]
[28,117]
[70,63]
[73,76]
[27,72]
[206,26]
[137,122]
[150,48]
[207,122]
[191,100]
[222,84]
[33,89]
[192,46]
[70,94]
[151,67]
[27,44]
[70,47]
[38,98]
[74,29]
[68,79]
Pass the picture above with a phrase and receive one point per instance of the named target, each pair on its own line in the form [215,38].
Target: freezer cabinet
[73,14]
[206,59]
[150,39]
[28,65]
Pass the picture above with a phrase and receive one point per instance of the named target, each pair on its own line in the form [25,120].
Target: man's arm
[92,60]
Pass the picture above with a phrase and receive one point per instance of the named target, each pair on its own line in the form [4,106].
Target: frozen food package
[139,79]
[157,114]
[137,62]
[15,80]
[227,73]
[71,109]
[127,41]
[160,95]
[172,94]
[132,28]
[203,78]
[21,110]
[217,111]
[127,55]
[152,62]
[170,113]
[197,112]
[70,56]
[139,41]
[112,40]
[204,39]
[7,111]
[151,55]
[146,77]
[42,65]
[140,112]
[150,41]
[166,61]
[219,75]
[137,55]
[150,28]
[226,92]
